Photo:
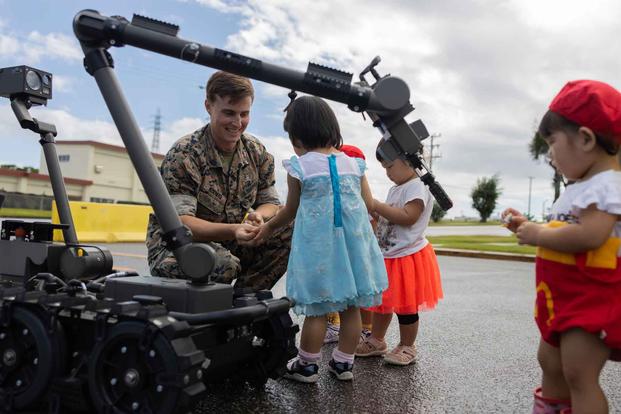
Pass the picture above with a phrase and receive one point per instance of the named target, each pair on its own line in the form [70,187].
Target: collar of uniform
[213,155]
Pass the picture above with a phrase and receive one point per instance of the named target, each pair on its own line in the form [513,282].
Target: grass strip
[25,213]
[503,244]
[464,223]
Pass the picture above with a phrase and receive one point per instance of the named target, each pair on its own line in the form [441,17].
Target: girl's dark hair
[552,122]
[312,124]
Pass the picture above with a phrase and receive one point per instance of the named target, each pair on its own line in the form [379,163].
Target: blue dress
[335,260]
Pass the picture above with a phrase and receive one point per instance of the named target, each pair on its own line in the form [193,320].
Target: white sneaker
[332,334]
[364,334]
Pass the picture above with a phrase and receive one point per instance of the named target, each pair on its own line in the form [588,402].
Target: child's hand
[255,219]
[373,205]
[245,234]
[513,219]
[264,231]
[376,203]
[528,233]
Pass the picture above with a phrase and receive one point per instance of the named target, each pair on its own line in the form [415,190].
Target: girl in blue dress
[335,264]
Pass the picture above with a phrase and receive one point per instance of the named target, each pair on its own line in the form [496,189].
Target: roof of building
[42,177]
[103,145]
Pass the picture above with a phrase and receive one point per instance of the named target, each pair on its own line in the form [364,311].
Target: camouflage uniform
[199,186]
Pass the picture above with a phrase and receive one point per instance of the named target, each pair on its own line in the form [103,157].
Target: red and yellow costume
[580,290]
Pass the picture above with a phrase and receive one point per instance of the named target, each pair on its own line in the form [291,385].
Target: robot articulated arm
[386,101]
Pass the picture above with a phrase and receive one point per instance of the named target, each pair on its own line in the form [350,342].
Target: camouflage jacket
[198,185]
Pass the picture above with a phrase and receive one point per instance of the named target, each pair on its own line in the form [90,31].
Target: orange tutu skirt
[413,283]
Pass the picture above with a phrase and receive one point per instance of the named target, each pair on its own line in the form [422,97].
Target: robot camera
[26,82]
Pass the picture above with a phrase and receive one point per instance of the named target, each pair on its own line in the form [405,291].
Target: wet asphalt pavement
[476,354]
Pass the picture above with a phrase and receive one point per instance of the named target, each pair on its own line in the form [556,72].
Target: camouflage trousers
[251,267]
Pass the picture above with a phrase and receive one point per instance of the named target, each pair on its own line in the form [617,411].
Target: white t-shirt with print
[603,190]
[399,241]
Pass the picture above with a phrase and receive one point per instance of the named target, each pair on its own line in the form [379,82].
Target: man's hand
[254,219]
[513,219]
[245,234]
[528,233]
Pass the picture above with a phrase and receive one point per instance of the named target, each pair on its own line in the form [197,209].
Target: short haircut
[552,122]
[311,122]
[227,84]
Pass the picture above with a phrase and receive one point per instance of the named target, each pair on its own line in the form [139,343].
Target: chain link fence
[26,201]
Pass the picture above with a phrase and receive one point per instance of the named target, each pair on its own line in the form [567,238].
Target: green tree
[484,196]
[538,148]
[437,213]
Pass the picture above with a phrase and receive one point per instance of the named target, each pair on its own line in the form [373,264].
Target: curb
[477,254]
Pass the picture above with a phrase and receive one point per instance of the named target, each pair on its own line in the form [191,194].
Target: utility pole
[157,126]
[530,187]
[543,209]
[432,146]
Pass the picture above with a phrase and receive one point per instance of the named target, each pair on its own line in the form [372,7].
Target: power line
[157,126]
[432,146]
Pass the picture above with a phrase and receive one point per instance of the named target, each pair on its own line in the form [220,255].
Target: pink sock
[340,356]
[308,357]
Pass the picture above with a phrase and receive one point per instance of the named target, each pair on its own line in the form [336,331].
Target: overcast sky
[481,74]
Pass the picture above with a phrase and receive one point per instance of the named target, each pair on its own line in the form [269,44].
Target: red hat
[595,105]
[352,151]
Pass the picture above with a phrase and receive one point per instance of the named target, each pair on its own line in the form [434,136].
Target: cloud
[57,45]
[177,129]
[8,45]
[70,127]
[479,72]
[63,84]
[36,46]
[223,6]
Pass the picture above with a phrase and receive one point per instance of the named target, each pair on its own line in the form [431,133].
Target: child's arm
[285,215]
[406,216]
[366,194]
[593,230]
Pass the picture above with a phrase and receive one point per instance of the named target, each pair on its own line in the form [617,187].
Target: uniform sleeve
[605,194]
[182,178]
[267,193]
[415,190]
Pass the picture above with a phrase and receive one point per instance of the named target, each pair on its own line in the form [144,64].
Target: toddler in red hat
[578,268]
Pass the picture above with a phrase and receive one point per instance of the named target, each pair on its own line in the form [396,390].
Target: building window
[64,158]
[101,200]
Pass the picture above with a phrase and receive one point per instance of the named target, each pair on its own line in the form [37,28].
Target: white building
[93,171]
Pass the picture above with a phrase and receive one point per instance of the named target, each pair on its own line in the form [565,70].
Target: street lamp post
[530,187]
[543,209]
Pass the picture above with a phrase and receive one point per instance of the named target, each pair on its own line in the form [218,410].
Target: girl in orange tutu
[413,275]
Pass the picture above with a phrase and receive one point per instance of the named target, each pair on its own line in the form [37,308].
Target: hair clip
[292,95]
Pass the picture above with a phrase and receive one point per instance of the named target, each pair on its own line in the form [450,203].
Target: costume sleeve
[415,190]
[182,178]
[604,193]
[293,168]
[267,193]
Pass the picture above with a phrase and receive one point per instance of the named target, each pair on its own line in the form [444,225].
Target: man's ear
[208,106]
[588,141]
